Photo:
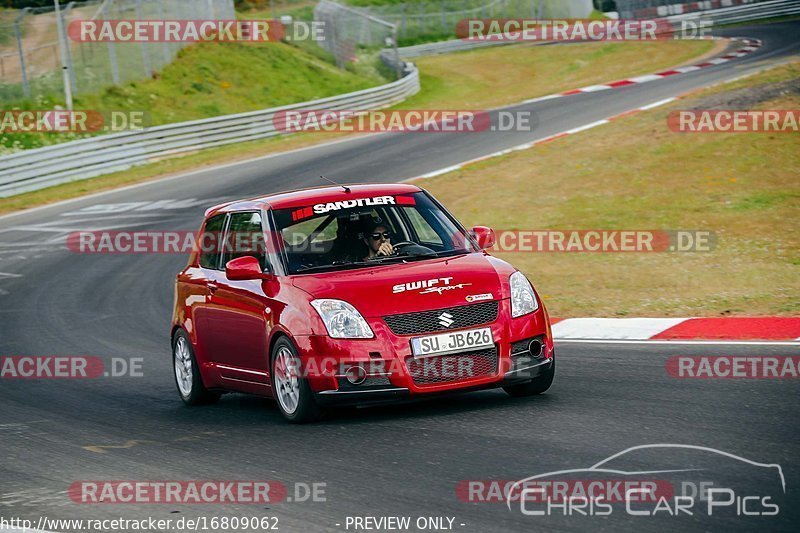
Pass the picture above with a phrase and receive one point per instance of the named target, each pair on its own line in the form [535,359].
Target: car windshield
[367,231]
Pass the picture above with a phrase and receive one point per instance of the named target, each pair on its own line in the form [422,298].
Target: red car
[352,295]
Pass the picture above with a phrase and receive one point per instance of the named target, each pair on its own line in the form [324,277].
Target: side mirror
[244,268]
[485,236]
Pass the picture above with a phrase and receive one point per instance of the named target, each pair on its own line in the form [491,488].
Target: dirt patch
[749,97]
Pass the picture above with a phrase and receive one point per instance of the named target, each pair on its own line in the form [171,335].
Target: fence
[346,27]
[435,19]
[747,12]
[44,167]
[61,163]
[665,8]
[30,49]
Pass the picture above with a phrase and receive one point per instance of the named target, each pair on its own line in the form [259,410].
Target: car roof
[315,195]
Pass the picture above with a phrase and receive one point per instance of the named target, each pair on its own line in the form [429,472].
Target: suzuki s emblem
[446,320]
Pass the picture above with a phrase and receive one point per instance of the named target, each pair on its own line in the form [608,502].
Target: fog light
[355,375]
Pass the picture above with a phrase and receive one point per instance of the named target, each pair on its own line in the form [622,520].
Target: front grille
[451,368]
[370,383]
[462,316]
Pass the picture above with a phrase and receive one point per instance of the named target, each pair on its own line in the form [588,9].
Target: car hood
[415,286]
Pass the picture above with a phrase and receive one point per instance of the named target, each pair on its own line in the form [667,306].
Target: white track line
[679,342]
[531,144]
[754,45]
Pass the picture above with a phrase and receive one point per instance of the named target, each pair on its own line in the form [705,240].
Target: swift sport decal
[440,290]
[437,285]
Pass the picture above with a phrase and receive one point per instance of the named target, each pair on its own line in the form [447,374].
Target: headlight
[342,320]
[523,301]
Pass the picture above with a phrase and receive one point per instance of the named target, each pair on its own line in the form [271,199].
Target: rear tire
[538,385]
[291,391]
[187,373]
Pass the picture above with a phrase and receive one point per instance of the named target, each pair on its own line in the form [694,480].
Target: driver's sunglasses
[377,236]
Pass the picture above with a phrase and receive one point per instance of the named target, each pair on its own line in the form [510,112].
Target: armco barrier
[725,15]
[35,169]
[744,12]
[43,167]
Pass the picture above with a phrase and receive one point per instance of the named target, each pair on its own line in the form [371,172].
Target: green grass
[491,77]
[636,174]
[496,77]
[297,9]
[212,79]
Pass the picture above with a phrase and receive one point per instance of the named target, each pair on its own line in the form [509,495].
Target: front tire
[538,385]
[187,373]
[291,391]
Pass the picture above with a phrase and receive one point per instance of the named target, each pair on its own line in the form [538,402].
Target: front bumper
[391,394]
[393,374]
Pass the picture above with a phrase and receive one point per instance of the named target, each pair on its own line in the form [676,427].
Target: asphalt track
[403,460]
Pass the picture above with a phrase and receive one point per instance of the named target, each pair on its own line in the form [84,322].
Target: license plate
[457,341]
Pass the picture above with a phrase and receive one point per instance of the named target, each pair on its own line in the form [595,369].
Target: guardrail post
[148,68]
[62,45]
[164,45]
[68,49]
[397,64]
[112,52]
[26,87]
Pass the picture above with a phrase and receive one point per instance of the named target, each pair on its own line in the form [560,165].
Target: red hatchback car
[352,295]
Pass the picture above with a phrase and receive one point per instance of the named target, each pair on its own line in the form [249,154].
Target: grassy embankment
[478,79]
[635,173]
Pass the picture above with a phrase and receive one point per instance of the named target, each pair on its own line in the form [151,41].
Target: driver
[378,242]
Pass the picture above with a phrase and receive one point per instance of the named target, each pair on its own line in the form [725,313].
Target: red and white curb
[679,329]
[751,45]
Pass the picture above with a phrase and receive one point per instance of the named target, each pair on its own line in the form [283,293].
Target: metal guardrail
[52,165]
[744,13]
[442,47]
[726,15]
[38,168]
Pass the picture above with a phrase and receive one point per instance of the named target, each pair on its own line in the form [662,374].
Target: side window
[422,227]
[212,234]
[245,237]
[298,233]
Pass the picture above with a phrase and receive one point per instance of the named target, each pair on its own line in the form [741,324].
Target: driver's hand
[385,249]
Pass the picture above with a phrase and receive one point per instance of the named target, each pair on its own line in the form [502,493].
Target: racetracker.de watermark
[604,241]
[513,241]
[68,367]
[572,30]
[353,121]
[192,31]
[734,121]
[733,367]
[195,492]
[76,121]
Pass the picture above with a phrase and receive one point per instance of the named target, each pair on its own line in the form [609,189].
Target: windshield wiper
[381,260]
[316,268]
[432,254]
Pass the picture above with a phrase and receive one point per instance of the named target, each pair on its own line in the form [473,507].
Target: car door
[240,316]
[206,272]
